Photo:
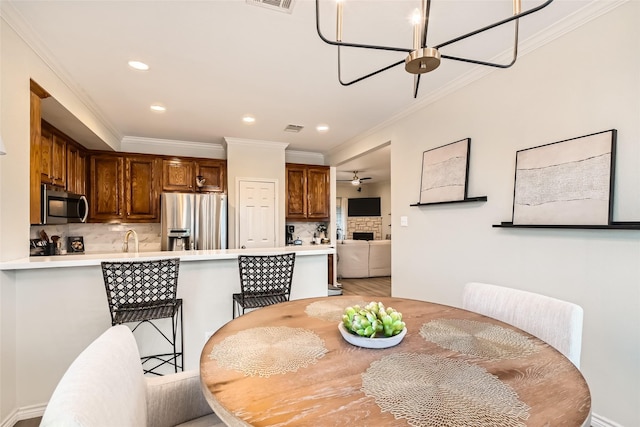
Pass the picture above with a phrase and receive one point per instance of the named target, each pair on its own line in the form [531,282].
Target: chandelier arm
[489,27]
[358,45]
[492,64]
[416,85]
[366,76]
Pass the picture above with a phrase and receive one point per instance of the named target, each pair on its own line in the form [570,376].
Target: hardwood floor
[373,286]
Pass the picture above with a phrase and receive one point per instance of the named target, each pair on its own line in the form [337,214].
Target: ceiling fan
[355,180]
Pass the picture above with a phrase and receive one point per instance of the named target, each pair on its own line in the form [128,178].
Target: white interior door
[256,214]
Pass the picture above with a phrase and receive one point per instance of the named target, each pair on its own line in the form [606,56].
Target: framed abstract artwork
[445,173]
[568,182]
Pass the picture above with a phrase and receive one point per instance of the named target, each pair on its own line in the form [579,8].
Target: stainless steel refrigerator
[193,221]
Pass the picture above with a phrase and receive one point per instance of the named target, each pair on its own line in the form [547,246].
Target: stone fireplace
[364,224]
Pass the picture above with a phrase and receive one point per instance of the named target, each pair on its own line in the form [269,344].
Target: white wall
[563,90]
[256,159]
[19,64]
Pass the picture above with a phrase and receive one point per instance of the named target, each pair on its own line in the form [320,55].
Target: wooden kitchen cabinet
[123,188]
[214,173]
[76,169]
[141,189]
[307,192]
[178,175]
[53,155]
[106,182]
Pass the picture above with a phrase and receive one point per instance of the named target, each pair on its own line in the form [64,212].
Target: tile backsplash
[103,238]
[304,230]
[108,238]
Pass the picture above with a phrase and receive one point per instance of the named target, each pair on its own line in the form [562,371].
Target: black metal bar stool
[139,292]
[264,280]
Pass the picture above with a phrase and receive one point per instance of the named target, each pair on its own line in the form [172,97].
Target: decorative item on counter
[56,245]
[75,244]
[297,242]
[322,230]
[38,247]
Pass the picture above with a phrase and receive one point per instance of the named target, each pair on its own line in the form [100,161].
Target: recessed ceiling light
[158,108]
[137,65]
[322,128]
[248,119]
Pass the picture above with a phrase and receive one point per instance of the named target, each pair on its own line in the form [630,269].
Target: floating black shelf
[467,200]
[616,225]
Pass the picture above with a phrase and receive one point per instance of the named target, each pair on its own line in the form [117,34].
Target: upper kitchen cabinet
[53,157]
[212,174]
[106,184]
[194,174]
[76,169]
[141,188]
[307,192]
[35,196]
[123,188]
[178,175]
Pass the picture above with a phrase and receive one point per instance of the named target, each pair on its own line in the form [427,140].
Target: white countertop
[89,259]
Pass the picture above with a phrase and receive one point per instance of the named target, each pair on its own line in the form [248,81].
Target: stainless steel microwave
[60,207]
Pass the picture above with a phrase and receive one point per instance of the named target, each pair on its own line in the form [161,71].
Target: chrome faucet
[125,244]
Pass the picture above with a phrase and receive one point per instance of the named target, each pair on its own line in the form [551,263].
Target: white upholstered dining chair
[557,322]
[105,386]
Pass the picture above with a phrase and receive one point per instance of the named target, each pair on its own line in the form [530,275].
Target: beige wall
[562,90]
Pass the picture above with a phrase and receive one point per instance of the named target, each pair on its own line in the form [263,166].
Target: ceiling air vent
[279,5]
[293,128]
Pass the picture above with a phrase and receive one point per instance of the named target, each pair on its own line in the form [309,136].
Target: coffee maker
[290,230]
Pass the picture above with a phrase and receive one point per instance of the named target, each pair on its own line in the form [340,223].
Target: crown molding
[306,157]
[134,144]
[593,10]
[256,143]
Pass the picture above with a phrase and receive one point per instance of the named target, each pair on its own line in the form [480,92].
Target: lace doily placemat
[428,390]
[478,339]
[269,350]
[332,309]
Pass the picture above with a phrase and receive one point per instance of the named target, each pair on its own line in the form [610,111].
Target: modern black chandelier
[422,58]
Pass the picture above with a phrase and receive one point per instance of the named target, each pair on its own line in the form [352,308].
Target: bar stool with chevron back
[143,292]
[264,280]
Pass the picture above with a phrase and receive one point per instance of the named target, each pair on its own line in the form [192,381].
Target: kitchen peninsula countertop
[90,259]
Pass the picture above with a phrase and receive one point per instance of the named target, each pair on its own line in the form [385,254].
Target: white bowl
[367,342]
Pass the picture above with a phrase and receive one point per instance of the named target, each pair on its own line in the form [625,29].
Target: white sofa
[105,386]
[363,258]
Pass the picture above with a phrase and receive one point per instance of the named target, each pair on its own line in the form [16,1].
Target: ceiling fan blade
[362,179]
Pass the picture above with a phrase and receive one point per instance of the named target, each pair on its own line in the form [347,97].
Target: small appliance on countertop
[290,230]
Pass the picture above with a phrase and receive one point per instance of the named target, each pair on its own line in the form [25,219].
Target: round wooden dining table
[289,365]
